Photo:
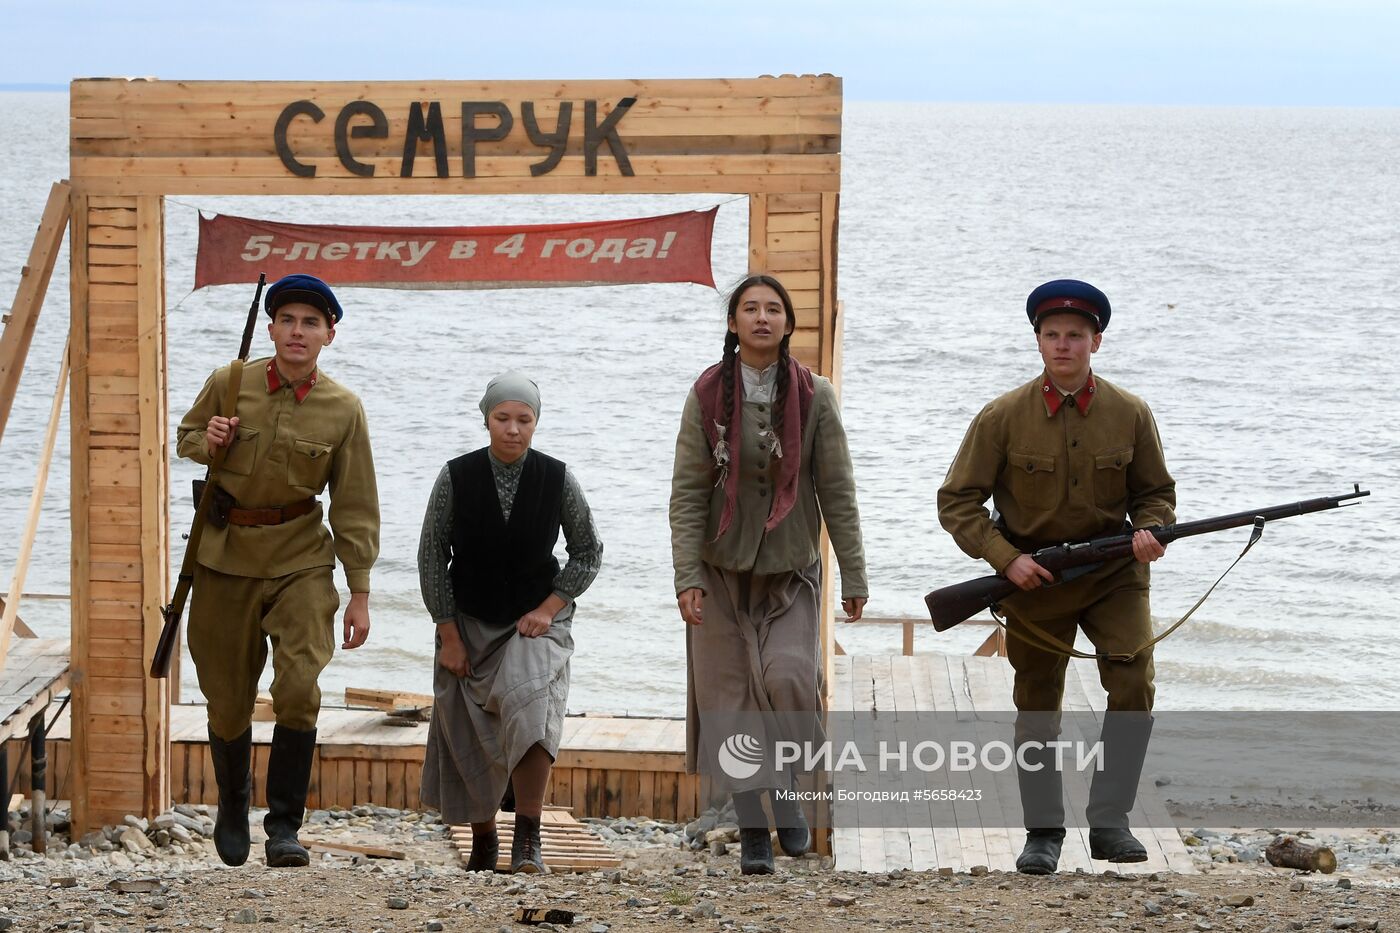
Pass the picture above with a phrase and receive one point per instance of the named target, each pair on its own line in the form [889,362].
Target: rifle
[953,604]
[171,612]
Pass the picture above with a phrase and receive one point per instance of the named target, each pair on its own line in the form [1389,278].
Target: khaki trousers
[232,620]
[1111,605]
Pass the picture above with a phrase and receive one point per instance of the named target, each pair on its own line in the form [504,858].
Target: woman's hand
[692,605]
[853,606]
[537,621]
[452,654]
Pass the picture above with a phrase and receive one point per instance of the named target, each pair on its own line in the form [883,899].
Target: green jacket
[825,488]
[1055,478]
[287,450]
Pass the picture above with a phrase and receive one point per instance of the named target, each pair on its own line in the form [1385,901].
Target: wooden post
[155,498]
[29,298]
[36,501]
[79,505]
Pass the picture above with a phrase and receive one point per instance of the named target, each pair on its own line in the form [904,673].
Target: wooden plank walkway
[607,765]
[977,690]
[36,671]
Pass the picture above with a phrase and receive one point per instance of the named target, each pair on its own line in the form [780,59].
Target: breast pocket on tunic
[310,463]
[1111,475]
[1032,481]
[243,453]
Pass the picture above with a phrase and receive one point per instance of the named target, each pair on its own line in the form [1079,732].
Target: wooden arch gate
[133,142]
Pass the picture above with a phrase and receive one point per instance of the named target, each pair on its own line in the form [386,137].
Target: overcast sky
[1211,52]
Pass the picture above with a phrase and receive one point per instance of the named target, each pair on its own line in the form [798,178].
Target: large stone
[134,840]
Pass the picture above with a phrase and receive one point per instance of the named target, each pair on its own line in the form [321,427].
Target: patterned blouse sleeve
[435,552]
[581,536]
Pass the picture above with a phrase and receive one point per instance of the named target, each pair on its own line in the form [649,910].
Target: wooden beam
[29,297]
[79,406]
[36,502]
[22,630]
[152,457]
[758,233]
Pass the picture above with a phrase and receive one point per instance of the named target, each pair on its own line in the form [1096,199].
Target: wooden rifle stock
[950,605]
[172,611]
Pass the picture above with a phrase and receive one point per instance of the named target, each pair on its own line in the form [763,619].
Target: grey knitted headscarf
[513,386]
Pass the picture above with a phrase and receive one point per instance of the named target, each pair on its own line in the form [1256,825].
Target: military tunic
[260,582]
[1062,468]
[757,650]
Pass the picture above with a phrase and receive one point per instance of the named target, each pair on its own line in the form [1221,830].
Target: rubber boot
[1114,789]
[525,855]
[288,775]
[486,849]
[1043,809]
[794,835]
[235,780]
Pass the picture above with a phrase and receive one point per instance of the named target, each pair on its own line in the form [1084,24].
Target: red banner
[670,248]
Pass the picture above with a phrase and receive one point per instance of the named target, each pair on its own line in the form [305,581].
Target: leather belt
[275,515]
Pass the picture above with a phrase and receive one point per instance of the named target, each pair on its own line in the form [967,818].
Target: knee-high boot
[235,779]
[288,774]
[1043,809]
[1114,789]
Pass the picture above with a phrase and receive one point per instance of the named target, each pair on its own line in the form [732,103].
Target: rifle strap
[1042,640]
[186,577]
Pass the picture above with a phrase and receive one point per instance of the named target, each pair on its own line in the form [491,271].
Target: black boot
[231,770]
[794,835]
[486,849]
[1114,789]
[525,855]
[755,852]
[288,774]
[1043,809]
[1041,855]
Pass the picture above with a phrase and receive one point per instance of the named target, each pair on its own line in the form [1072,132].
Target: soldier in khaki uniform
[265,563]
[1066,457]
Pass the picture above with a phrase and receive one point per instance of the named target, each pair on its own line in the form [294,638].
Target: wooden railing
[993,646]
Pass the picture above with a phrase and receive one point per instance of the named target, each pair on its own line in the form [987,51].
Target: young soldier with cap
[266,559]
[1066,457]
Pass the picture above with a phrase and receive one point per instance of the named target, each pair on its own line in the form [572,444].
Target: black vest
[501,571]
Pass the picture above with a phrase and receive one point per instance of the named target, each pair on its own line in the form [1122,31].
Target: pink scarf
[796,407]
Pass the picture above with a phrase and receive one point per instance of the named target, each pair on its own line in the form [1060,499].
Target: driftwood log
[1288,852]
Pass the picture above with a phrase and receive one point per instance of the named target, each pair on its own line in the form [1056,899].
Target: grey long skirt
[484,723]
[757,652]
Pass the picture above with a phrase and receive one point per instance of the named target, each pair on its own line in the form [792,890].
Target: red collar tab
[1054,400]
[1052,305]
[274,382]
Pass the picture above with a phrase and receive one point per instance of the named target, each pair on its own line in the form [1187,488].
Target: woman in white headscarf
[503,609]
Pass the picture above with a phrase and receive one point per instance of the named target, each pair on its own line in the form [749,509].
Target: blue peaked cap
[303,288]
[1069,296]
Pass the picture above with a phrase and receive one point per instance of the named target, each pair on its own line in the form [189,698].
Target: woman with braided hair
[760,460]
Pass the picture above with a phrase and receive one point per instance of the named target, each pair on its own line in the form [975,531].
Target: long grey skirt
[514,697]
[757,652]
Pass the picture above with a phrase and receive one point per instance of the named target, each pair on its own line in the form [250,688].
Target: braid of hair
[726,374]
[781,384]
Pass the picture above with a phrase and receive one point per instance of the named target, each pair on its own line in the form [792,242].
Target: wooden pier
[892,687]
[608,765]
